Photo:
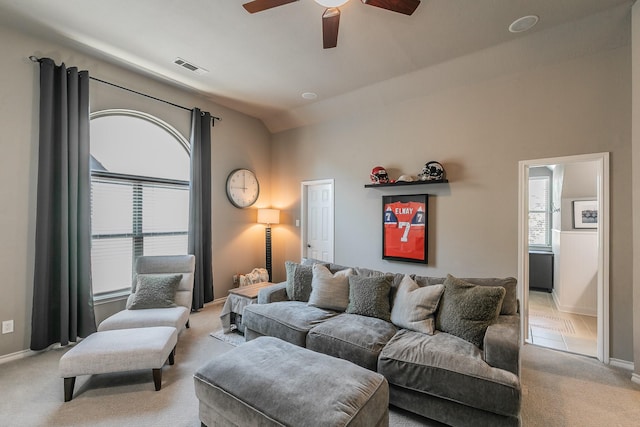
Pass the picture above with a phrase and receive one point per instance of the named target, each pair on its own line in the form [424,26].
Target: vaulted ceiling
[261,64]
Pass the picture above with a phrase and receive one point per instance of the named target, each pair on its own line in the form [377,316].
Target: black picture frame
[405,223]
[585,214]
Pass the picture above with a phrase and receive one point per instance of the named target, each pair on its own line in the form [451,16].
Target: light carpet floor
[559,389]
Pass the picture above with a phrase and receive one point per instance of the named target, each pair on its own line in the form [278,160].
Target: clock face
[242,188]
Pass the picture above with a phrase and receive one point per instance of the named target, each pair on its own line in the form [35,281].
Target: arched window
[139,194]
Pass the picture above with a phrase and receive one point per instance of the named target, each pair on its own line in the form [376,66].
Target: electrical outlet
[7,326]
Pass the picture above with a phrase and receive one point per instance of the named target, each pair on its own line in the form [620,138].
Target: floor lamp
[268,217]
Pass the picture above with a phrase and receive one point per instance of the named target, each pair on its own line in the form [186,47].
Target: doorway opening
[563,253]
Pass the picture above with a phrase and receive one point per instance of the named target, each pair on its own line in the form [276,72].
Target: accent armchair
[177,315]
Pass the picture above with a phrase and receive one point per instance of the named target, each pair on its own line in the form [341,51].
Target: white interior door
[317,220]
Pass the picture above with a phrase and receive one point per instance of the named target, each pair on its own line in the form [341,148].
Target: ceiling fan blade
[260,5]
[330,23]
[401,6]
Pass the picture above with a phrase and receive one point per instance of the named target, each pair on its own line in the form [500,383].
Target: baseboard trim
[16,356]
[635,378]
[218,301]
[624,364]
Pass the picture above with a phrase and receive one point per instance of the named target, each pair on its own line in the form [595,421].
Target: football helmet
[379,175]
[432,171]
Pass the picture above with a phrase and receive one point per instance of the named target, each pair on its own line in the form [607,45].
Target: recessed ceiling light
[331,3]
[309,95]
[523,24]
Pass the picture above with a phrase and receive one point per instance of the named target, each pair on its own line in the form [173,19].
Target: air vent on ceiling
[189,66]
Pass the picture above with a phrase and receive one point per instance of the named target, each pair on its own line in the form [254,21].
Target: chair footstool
[119,350]
[270,382]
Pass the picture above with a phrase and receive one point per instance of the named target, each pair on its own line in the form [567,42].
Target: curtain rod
[34,58]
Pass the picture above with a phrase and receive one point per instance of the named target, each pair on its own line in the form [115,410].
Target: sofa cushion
[154,291]
[177,317]
[369,296]
[449,367]
[287,320]
[358,339]
[510,302]
[466,310]
[414,306]
[298,281]
[329,290]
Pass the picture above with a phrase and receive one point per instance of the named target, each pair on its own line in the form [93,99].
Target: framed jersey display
[404,228]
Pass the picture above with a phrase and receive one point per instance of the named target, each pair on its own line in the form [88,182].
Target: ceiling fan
[331,15]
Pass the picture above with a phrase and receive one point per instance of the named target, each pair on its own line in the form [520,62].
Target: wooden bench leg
[69,383]
[157,378]
[172,356]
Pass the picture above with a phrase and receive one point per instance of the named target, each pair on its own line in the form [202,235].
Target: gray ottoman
[119,350]
[270,382]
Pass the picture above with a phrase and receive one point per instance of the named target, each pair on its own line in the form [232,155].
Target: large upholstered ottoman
[270,382]
[119,350]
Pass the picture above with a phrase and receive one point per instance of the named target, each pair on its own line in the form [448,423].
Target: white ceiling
[260,64]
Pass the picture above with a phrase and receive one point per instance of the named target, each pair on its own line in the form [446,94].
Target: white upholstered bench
[119,350]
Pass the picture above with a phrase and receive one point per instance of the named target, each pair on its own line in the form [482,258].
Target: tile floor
[551,328]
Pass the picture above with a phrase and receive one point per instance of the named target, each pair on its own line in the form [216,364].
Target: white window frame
[548,211]
[138,182]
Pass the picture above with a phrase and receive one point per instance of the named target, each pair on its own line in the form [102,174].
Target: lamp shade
[268,216]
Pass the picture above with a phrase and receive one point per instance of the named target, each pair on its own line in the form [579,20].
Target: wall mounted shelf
[402,183]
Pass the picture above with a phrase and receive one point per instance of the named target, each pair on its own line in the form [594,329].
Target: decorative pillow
[414,306]
[510,301]
[155,291]
[369,296]
[330,291]
[466,310]
[299,277]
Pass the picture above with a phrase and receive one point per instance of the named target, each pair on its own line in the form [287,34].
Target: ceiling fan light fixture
[523,24]
[331,3]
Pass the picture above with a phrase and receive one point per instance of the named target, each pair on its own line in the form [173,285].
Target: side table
[237,300]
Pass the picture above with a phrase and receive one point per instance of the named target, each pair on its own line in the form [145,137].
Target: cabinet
[541,271]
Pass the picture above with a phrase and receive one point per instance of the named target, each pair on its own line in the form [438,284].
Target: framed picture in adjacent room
[585,214]
[405,228]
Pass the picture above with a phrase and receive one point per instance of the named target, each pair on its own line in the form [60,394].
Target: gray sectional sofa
[467,376]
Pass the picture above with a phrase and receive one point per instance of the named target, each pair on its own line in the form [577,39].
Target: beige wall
[479,128]
[635,120]
[238,141]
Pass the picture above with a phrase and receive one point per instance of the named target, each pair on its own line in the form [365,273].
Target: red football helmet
[379,175]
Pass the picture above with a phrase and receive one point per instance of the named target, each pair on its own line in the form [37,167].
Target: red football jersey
[404,230]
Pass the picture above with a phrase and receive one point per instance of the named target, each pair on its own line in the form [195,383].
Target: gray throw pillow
[329,291]
[414,306]
[466,310]
[155,291]
[369,296]
[298,285]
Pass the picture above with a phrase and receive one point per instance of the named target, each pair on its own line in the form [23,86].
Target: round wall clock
[243,188]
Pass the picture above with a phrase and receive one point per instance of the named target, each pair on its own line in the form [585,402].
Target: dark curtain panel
[62,296]
[200,208]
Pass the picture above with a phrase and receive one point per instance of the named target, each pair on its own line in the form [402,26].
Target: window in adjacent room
[540,208]
[139,195]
